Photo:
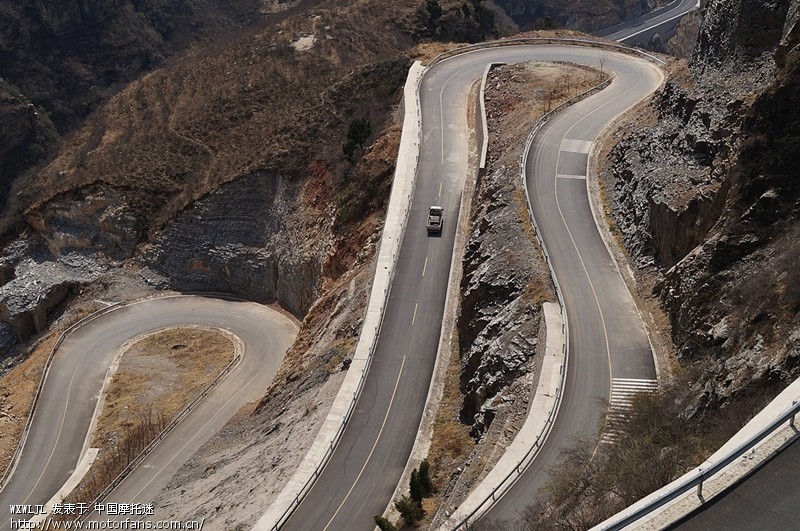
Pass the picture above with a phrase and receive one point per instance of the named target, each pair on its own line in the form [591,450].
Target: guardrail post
[700,486]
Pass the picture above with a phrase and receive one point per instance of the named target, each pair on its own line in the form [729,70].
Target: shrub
[410,510]
[420,482]
[357,134]
[384,524]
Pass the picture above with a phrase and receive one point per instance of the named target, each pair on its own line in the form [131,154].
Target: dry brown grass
[158,376]
[249,103]
[427,51]
[17,390]
[451,442]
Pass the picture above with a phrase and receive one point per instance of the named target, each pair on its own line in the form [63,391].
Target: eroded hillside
[707,199]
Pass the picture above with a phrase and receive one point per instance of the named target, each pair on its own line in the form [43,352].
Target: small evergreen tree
[410,510]
[384,524]
[415,487]
[357,134]
[424,478]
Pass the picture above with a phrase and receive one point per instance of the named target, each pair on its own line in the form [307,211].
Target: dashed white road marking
[414,317]
[622,392]
[425,266]
[375,444]
[564,176]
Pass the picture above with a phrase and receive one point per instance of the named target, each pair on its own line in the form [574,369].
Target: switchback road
[363,472]
[72,388]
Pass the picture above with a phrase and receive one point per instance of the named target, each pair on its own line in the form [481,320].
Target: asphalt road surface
[767,499]
[365,469]
[642,29]
[68,401]
[607,342]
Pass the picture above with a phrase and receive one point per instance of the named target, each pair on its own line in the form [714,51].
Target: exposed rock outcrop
[255,237]
[37,282]
[500,310]
[708,193]
[505,277]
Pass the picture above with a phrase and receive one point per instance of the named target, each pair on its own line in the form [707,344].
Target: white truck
[435,220]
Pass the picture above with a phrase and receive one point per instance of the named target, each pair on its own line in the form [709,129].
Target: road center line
[378,438]
[578,252]
[425,266]
[441,111]
[440,189]
[414,317]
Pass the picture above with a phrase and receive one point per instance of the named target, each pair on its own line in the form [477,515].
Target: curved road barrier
[26,430]
[69,391]
[344,403]
[697,487]
[292,497]
[547,398]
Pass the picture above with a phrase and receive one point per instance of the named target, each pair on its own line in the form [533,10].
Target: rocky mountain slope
[224,171]
[62,59]
[254,108]
[705,197]
[584,15]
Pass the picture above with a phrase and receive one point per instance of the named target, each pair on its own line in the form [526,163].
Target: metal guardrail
[416,142]
[531,41]
[605,32]
[696,477]
[48,363]
[510,479]
[136,461]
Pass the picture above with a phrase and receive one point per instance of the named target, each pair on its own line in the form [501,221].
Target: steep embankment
[257,108]
[706,199]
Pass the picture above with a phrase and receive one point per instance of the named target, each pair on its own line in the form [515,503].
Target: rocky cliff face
[258,237]
[706,193]
[223,172]
[501,299]
[505,277]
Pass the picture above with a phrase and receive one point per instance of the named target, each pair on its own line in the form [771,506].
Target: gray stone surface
[248,237]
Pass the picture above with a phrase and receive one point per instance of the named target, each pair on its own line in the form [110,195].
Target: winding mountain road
[608,350]
[73,385]
[643,28]
[606,340]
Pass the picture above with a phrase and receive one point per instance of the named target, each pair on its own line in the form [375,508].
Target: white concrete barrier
[770,430]
[343,405]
